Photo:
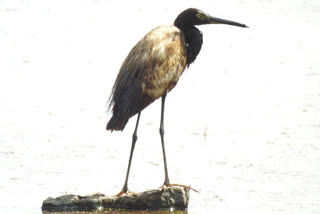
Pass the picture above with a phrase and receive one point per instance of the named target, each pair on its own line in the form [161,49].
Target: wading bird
[152,69]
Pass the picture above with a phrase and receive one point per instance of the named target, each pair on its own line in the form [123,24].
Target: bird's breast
[166,62]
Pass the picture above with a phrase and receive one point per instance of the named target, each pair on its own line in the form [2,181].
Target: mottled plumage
[152,67]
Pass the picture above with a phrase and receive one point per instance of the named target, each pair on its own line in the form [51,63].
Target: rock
[73,203]
[175,197]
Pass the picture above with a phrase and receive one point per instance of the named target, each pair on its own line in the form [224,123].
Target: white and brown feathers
[152,68]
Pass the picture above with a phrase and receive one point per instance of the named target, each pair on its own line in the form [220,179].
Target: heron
[152,69]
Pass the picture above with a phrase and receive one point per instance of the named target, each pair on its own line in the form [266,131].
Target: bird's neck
[193,40]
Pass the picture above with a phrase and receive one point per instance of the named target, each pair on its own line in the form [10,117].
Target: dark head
[193,16]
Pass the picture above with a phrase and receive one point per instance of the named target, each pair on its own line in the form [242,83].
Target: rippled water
[242,125]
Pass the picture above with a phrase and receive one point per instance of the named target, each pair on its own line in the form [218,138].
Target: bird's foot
[127,192]
[178,185]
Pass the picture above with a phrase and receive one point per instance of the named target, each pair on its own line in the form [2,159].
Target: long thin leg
[166,179]
[134,140]
[161,130]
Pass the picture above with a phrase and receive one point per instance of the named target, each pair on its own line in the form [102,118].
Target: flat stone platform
[175,197]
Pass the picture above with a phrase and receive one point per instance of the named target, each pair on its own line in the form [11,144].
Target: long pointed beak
[214,20]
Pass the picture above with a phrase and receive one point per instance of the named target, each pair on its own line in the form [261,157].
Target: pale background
[242,125]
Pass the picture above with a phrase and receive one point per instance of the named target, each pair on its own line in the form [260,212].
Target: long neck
[193,37]
[193,43]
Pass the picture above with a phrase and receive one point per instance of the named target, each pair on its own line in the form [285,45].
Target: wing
[152,68]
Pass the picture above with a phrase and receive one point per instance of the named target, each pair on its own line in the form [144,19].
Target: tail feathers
[116,124]
[126,107]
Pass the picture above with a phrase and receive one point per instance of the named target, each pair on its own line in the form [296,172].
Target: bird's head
[193,16]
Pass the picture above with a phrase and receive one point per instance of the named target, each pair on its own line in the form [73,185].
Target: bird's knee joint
[161,131]
[134,137]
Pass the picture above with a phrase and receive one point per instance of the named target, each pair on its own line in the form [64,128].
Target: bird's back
[152,68]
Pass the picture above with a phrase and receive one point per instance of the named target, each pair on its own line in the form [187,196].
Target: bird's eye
[200,16]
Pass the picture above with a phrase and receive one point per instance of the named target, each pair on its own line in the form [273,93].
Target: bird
[152,69]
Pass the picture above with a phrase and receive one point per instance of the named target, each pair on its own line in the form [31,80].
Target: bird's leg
[166,179]
[134,140]
[161,130]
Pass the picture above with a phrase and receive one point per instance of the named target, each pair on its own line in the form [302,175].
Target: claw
[120,193]
[178,185]
[125,192]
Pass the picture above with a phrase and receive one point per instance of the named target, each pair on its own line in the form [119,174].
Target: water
[242,125]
